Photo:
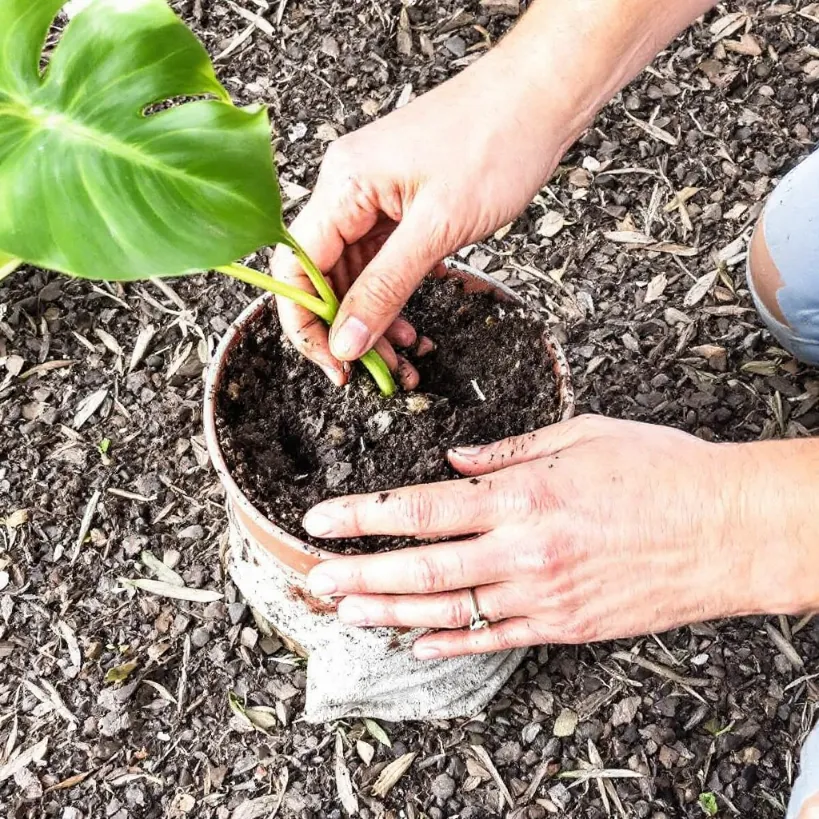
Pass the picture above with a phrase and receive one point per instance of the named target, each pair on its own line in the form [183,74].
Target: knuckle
[425,575]
[534,559]
[579,629]
[528,501]
[417,510]
[379,293]
[458,612]
[504,639]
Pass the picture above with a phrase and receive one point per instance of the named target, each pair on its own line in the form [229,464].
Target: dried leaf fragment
[120,673]
[392,773]
[162,589]
[377,732]
[699,289]
[344,785]
[33,754]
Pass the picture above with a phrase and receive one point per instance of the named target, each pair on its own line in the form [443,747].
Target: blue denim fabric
[791,222]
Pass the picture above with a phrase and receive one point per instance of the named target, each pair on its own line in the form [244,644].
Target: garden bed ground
[90,431]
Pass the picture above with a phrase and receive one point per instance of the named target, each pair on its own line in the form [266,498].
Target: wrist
[774,530]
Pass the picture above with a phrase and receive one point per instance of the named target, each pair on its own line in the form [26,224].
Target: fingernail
[334,375]
[351,339]
[352,615]
[426,652]
[318,523]
[321,585]
[425,346]
[466,451]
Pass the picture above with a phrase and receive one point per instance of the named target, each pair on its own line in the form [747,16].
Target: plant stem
[326,293]
[325,308]
[296,294]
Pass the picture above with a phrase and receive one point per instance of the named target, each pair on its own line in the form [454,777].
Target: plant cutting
[100,184]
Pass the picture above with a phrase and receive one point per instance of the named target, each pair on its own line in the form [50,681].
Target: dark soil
[292,439]
[131,752]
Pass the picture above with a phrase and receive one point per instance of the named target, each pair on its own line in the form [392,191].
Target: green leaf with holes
[92,182]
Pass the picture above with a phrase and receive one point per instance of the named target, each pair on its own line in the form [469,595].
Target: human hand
[395,198]
[589,530]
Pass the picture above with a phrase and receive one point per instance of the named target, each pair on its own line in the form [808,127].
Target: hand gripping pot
[352,672]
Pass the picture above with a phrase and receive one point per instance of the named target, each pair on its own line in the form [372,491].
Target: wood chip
[85,525]
[660,670]
[240,38]
[551,224]
[654,131]
[565,724]
[365,751]
[344,785]
[392,773]
[260,23]
[784,647]
[176,592]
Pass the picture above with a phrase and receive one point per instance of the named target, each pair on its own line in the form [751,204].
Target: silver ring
[476,622]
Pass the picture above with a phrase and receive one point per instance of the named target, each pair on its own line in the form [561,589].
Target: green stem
[296,294]
[325,308]
[316,277]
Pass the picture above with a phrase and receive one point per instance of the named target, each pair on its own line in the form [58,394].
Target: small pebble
[236,612]
[200,637]
[443,787]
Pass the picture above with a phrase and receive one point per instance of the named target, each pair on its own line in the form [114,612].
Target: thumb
[542,443]
[378,295]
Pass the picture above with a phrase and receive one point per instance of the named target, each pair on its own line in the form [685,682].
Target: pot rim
[561,373]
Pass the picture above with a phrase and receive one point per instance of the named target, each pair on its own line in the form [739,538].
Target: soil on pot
[292,439]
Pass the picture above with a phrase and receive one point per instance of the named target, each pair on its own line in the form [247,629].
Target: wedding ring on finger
[476,620]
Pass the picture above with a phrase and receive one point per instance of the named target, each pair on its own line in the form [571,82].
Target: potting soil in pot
[291,439]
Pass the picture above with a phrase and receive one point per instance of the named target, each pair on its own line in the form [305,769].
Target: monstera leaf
[8,264]
[95,185]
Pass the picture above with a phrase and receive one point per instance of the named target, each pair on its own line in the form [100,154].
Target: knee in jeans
[783,264]
[810,810]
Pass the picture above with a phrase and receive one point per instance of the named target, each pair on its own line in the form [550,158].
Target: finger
[517,632]
[379,294]
[324,229]
[308,334]
[401,333]
[430,510]
[423,570]
[483,460]
[408,376]
[443,610]
[385,350]
[425,346]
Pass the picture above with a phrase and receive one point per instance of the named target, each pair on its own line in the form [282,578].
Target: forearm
[777,515]
[567,58]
